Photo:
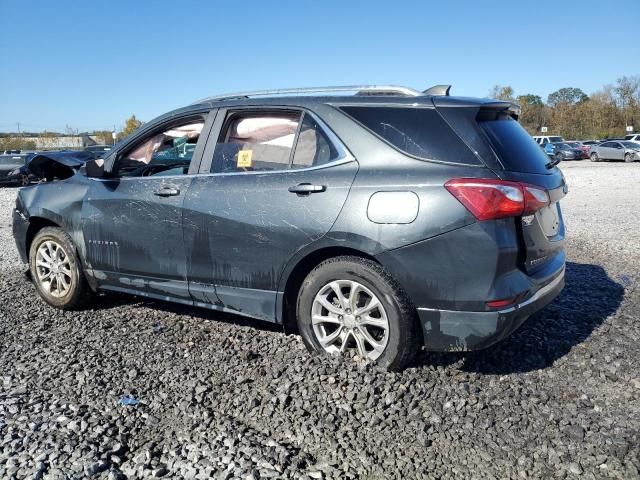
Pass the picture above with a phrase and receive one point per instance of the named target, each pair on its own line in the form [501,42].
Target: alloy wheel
[53,269]
[347,316]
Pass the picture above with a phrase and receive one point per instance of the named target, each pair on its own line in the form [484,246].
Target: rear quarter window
[515,148]
[418,132]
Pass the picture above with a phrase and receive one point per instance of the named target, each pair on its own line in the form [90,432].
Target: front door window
[167,152]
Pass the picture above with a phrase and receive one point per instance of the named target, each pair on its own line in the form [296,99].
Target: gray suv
[372,220]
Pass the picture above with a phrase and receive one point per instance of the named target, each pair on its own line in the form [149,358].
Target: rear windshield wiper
[552,163]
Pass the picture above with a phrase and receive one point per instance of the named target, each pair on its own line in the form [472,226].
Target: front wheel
[55,269]
[628,158]
[352,306]
[594,157]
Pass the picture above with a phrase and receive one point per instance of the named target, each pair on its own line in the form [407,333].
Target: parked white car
[544,139]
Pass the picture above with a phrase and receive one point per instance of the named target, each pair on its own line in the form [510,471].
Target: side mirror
[94,168]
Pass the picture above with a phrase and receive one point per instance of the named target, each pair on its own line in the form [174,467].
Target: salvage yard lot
[225,397]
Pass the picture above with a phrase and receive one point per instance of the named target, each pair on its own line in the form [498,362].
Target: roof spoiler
[440,90]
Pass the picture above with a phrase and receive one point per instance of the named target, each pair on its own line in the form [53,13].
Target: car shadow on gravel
[114,300]
[589,297]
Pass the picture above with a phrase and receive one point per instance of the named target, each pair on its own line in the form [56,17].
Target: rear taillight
[488,199]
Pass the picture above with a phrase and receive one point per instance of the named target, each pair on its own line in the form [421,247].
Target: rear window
[419,132]
[517,151]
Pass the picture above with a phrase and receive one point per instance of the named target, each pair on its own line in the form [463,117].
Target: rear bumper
[450,330]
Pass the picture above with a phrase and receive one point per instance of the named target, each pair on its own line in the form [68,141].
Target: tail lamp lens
[490,199]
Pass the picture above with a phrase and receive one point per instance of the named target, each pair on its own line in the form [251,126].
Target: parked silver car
[615,150]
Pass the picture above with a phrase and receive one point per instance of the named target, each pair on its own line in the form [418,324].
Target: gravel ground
[223,397]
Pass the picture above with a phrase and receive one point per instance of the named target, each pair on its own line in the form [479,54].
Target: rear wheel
[350,305]
[628,158]
[558,157]
[594,157]
[55,269]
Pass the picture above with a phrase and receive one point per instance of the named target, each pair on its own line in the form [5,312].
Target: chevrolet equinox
[373,220]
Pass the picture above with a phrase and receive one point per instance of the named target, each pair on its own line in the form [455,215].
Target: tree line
[573,114]
[13,141]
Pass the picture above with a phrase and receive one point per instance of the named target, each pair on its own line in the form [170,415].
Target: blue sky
[90,65]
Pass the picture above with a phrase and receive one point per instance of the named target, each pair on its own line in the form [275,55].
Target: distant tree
[16,143]
[529,99]
[627,90]
[502,93]
[533,114]
[567,95]
[48,139]
[130,126]
[105,137]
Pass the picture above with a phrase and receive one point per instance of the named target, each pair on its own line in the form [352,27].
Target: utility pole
[18,124]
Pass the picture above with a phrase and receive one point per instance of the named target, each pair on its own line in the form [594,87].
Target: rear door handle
[167,191]
[307,188]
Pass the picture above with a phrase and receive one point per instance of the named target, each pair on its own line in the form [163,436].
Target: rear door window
[313,148]
[514,146]
[253,141]
[419,132]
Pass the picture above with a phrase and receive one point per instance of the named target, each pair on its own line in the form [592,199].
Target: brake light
[490,199]
[500,303]
[534,199]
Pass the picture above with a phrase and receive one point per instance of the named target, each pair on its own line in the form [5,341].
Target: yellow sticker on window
[244,158]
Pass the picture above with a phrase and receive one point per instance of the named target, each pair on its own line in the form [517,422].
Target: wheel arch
[35,225]
[300,271]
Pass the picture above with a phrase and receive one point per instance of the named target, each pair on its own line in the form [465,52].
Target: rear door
[272,182]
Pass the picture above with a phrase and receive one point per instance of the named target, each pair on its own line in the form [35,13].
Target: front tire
[56,270]
[351,305]
[628,158]
[594,157]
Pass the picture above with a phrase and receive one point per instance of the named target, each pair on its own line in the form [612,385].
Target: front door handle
[167,191]
[307,188]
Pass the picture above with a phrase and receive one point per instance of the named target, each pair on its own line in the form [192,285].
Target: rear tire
[594,157]
[628,158]
[558,157]
[56,270]
[351,305]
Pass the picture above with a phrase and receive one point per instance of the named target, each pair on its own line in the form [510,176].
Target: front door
[133,219]
[607,151]
[277,182]
[617,151]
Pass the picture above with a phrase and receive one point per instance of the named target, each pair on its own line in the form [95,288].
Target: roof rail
[359,89]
